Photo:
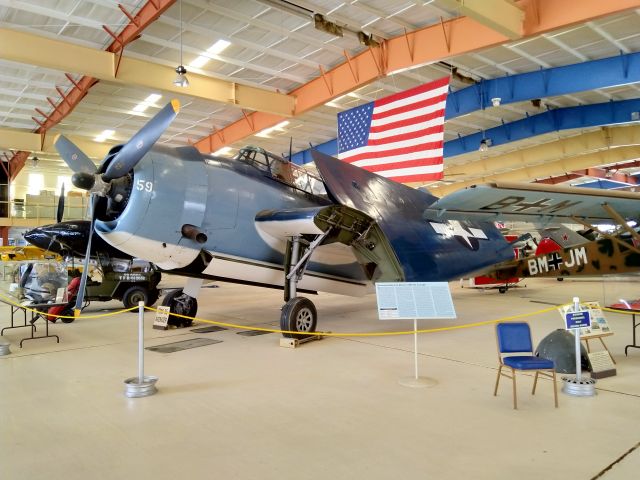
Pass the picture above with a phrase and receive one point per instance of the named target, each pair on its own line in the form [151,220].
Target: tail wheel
[298,315]
[182,304]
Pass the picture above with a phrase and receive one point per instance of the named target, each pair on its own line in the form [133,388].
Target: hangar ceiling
[275,48]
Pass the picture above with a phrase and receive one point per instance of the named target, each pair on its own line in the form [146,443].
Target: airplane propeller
[122,159]
[75,158]
[60,211]
[87,254]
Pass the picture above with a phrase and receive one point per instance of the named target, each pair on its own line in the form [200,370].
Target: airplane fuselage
[221,198]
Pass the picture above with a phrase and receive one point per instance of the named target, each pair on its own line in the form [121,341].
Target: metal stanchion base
[420,382]
[4,347]
[134,389]
[586,387]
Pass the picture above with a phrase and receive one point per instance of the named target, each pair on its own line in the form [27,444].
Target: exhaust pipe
[194,233]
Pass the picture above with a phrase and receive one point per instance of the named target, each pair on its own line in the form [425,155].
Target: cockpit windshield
[282,170]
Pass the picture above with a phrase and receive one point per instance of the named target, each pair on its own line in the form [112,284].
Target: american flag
[399,136]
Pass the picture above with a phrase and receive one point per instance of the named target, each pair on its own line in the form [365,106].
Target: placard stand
[142,385]
[416,381]
[413,301]
[578,386]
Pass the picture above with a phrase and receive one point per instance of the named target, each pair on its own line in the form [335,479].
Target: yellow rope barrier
[324,334]
[360,334]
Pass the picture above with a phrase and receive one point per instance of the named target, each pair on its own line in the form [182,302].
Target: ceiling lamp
[485,143]
[181,80]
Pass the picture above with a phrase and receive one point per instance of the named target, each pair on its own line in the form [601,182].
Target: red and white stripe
[406,135]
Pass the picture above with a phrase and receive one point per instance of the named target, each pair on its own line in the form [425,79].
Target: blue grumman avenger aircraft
[258,219]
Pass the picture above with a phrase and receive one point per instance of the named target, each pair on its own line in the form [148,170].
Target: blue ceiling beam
[598,114]
[604,184]
[550,82]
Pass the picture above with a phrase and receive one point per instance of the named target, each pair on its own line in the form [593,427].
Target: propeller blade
[75,158]
[60,212]
[85,269]
[133,151]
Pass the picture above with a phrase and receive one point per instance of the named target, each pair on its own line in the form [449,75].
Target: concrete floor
[249,409]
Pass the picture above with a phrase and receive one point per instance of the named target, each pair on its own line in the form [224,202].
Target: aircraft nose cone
[38,238]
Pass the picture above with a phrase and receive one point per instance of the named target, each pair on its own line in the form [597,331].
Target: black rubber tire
[135,294]
[560,279]
[502,289]
[187,307]
[67,313]
[299,315]
[154,294]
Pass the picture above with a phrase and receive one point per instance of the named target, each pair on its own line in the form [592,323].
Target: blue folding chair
[515,338]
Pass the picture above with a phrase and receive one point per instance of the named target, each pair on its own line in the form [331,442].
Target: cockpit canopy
[282,170]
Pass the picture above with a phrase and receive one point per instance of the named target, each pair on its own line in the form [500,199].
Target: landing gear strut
[299,313]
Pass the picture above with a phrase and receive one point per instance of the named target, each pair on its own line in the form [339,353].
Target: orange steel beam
[559,179]
[611,172]
[16,163]
[427,45]
[148,13]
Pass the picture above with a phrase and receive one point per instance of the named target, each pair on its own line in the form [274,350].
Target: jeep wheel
[135,294]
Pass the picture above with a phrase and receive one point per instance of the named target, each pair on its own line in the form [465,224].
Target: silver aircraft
[258,219]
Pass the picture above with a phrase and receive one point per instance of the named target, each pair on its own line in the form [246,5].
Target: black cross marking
[555,261]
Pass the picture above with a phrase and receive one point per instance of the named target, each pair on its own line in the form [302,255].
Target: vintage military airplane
[69,239]
[260,220]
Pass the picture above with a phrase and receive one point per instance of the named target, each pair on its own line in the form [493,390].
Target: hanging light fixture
[485,143]
[181,80]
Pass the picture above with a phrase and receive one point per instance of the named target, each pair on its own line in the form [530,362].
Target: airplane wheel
[182,304]
[298,315]
[560,279]
[502,289]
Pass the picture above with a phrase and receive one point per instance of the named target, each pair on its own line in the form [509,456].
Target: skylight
[147,102]
[212,51]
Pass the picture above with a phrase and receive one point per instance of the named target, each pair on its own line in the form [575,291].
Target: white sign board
[161,321]
[414,300]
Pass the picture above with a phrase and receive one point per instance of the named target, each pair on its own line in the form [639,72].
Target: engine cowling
[167,189]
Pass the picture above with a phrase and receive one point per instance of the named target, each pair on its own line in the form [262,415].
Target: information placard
[577,319]
[599,326]
[161,320]
[414,300]
[601,364]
